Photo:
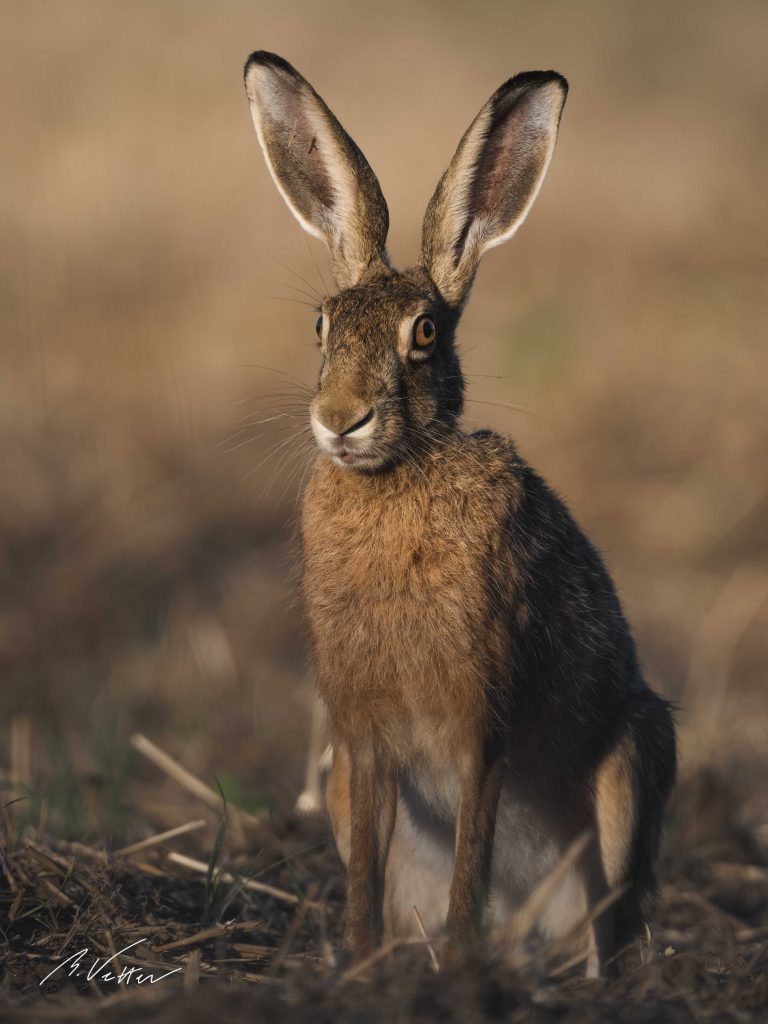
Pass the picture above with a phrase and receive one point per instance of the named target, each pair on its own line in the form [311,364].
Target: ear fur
[322,175]
[493,179]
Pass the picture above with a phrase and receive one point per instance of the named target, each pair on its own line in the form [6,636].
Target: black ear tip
[265,59]
[536,79]
[562,81]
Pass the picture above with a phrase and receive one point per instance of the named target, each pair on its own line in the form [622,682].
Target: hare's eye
[319,327]
[424,332]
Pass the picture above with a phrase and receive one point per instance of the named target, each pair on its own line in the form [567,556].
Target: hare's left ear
[493,179]
[322,175]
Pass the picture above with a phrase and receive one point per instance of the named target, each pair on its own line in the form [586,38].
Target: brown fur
[418,683]
[402,559]
[483,692]
[615,809]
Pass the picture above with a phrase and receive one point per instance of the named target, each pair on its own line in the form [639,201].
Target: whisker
[285,284]
[303,451]
[280,468]
[274,449]
[507,405]
[303,291]
[274,369]
[487,376]
[266,419]
[247,440]
[317,267]
[310,463]
[299,411]
[300,278]
[282,465]
[299,302]
[482,401]
[279,397]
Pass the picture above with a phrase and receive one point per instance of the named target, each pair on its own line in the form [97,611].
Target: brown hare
[484,697]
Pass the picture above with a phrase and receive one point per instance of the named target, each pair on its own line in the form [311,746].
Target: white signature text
[101,971]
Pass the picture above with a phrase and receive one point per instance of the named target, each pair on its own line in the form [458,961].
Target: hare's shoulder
[491,454]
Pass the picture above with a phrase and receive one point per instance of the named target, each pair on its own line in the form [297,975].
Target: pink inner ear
[506,170]
[294,149]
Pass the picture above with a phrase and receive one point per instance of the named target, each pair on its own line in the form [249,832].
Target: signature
[100,969]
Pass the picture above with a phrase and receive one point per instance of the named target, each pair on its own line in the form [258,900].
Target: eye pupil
[319,326]
[424,332]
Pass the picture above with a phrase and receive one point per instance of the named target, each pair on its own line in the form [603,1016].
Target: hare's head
[390,378]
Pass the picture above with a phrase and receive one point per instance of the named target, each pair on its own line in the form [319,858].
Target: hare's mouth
[349,455]
[352,448]
[350,458]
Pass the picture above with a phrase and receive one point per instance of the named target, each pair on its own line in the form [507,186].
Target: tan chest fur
[396,594]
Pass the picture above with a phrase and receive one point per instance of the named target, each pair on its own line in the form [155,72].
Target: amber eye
[424,332]
[319,327]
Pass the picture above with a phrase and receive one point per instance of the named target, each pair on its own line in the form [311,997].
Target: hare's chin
[348,458]
[352,460]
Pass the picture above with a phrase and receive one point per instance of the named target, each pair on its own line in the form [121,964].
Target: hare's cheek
[423,407]
[390,429]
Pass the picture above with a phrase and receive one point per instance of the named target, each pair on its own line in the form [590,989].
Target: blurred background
[154,336]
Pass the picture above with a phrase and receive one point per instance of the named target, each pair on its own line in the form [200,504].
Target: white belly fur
[421,861]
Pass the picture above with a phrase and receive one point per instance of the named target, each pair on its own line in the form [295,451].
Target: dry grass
[247,932]
[147,494]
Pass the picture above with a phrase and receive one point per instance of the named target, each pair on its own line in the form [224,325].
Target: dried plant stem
[88,852]
[381,954]
[430,948]
[161,837]
[525,918]
[247,883]
[187,780]
[208,933]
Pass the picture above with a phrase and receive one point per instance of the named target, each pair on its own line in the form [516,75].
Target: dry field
[154,341]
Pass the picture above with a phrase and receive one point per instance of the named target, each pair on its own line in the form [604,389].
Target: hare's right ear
[493,179]
[322,175]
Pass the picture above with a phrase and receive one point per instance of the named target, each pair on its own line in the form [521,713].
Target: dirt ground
[218,948]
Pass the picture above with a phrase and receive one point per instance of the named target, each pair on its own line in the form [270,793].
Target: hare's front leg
[373,805]
[479,800]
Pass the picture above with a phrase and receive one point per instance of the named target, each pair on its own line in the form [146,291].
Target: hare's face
[390,380]
[389,377]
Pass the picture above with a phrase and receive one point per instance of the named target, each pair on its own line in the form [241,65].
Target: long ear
[322,175]
[493,179]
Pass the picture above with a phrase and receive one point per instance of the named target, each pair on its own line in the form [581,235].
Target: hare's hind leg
[609,861]
[631,789]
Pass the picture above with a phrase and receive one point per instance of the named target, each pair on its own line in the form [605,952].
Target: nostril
[360,423]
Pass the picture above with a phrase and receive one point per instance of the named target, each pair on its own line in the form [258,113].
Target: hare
[484,696]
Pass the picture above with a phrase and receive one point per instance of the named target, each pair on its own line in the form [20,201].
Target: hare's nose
[359,424]
[344,422]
